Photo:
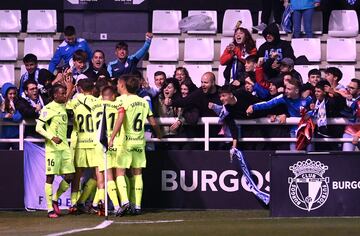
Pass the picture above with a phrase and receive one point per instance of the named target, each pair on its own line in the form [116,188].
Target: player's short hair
[321,84]
[225,89]
[132,83]
[335,72]
[251,58]
[108,89]
[69,30]
[79,55]
[55,89]
[86,85]
[314,72]
[30,58]
[27,82]
[122,45]
[157,73]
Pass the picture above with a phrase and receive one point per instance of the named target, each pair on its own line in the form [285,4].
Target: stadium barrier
[206,122]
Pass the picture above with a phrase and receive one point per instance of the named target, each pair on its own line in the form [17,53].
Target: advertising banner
[203,180]
[315,185]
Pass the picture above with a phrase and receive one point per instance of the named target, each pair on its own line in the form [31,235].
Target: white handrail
[206,121]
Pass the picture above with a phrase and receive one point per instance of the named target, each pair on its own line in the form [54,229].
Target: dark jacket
[200,100]
[281,47]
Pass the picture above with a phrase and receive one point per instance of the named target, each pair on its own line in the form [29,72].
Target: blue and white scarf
[264,197]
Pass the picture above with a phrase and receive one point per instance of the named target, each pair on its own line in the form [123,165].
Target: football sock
[121,185]
[96,198]
[128,184]
[48,196]
[88,188]
[112,191]
[138,190]
[132,190]
[74,198]
[62,189]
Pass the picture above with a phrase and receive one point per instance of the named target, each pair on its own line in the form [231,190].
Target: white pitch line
[148,222]
[103,225]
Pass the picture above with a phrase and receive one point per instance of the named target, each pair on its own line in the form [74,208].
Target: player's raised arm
[155,126]
[117,125]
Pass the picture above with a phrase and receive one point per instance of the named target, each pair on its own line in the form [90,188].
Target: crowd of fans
[258,83]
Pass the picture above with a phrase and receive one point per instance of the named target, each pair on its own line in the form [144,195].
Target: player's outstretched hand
[56,140]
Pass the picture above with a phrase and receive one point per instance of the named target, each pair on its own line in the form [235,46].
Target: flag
[102,132]
[264,197]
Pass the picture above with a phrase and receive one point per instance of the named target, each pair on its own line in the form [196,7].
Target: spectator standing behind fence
[181,74]
[97,67]
[159,79]
[170,89]
[303,10]
[189,118]
[274,50]
[125,64]
[325,106]
[9,113]
[353,130]
[269,6]
[291,99]
[66,49]
[32,71]
[235,54]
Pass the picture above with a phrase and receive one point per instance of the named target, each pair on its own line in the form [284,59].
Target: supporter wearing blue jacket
[303,9]
[68,47]
[9,113]
[293,101]
[125,64]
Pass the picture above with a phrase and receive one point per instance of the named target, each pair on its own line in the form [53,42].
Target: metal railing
[206,122]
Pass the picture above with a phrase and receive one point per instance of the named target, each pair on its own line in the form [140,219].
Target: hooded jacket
[281,47]
[9,131]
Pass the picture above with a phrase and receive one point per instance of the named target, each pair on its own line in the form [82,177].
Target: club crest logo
[309,188]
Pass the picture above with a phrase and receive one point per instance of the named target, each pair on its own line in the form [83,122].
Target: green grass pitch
[171,222]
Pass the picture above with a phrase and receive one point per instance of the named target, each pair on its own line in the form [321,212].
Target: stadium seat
[343,23]
[7,73]
[196,71]
[41,21]
[164,49]
[166,22]
[9,49]
[220,78]
[225,41]
[304,70]
[41,47]
[348,73]
[199,49]
[341,50]
[10,21]
[232,16]
[317,23]
[152,68]
[41,66]
[310,47]
[259,42]
[212,14]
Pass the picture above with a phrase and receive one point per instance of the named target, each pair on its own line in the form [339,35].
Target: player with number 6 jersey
[132,117]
